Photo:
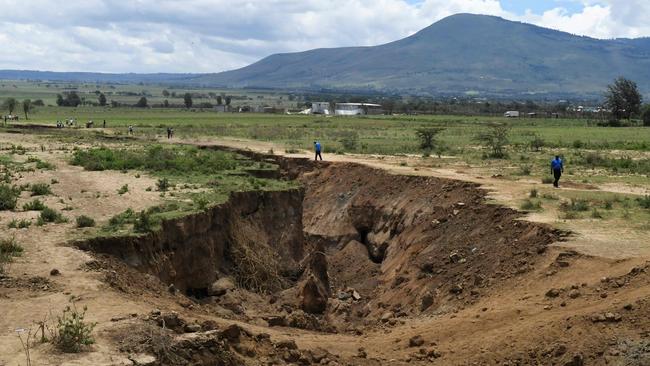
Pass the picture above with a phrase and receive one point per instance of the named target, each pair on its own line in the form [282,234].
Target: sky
[198,36]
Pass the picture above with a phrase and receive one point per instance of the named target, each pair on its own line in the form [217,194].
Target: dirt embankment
[194,251]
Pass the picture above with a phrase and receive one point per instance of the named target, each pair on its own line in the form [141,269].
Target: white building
[357,109]
[320,108]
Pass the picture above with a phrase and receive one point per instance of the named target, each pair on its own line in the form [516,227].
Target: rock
[209,325]
[559,350]
[355,295]
[628,307]
[286,344]
[192,328]
[553,293]
[142,359]
[456,289]
[574,294]
[603,295]
[613,317]
[172,289]
[361,353]
[232,333]
[277,321]
[454,257]
[577,360]
[427,301]
[387,316]
[55,272]
[170,320]
[291,356]
[156,312]
[119,318]
[313,296]
[416,341]
[342,295]
[318,354]
[221,286]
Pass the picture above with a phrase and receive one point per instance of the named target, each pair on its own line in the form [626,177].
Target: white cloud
[216,35]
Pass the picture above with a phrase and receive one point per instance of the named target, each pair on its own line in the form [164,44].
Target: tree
[495,138]
[427,137]
[165,93]
[59,100]
[72,100]
[219,100]
[10,105]
[623,98]
[142,103]
[27,107]
[228,100]
[166,103]
[646,115]
[102,99]
[188,100]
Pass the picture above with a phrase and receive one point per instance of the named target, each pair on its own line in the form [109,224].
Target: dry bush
[257,267]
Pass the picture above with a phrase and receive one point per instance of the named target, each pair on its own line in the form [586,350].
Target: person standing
[104,123]
[317,149]
[557,168]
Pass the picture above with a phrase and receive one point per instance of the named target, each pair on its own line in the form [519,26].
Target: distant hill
[463,53]
[460,53]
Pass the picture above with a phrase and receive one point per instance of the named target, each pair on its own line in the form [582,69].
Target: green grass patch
[34,205]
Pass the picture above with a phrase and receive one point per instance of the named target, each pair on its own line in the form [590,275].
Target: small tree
[495,138]
[102,99]
[188,100]
[27,107]
[219,100]
[646,115]
[165,93]
[10,105]
[623,98]
[142,103]
[427,137]
[228,100]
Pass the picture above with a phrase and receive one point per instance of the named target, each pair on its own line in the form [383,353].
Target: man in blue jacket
[557,168]
[317,148]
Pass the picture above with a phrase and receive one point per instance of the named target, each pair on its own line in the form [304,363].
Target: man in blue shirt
[557,168]
[317,148]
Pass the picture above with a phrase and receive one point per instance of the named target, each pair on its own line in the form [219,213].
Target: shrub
[495,138]
[51,215]
[73,333]
[143,222]
[644,202]
[596,214]
[8,197]
[427,137]
[123,189]
[40,189]
[85,221]
[575,205]
[35,205]
[22,224]
[529,205]
[162,184]
[533,193]
[8,248]
[350,141]
[44,165]
[121,219]
[524,170]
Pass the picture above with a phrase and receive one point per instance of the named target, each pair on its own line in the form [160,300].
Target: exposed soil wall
[193,251]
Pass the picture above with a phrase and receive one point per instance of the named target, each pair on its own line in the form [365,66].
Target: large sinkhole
[396,242]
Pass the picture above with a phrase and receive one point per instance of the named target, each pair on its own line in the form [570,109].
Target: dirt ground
[501,288]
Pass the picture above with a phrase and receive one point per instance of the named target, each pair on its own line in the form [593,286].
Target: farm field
[227,244]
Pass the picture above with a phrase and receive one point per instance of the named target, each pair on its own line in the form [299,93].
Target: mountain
[463,53]
[460,53]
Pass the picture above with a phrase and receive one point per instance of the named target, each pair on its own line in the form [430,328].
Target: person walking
[557,168]
[317,149]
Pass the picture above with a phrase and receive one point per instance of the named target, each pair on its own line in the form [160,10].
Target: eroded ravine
[356,248]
